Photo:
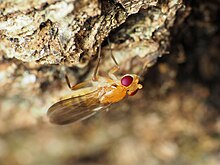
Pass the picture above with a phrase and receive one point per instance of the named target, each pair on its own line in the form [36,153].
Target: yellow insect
[92,96]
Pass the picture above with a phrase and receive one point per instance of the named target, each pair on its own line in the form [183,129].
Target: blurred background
[174,120]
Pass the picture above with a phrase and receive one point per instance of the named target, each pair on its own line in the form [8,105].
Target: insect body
[87,101]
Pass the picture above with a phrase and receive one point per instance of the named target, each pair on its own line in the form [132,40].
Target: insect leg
[67,81]
[112,56]
[95,78]
[112,71]
[116,67]
[77,86]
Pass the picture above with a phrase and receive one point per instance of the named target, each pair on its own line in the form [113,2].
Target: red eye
[126,80]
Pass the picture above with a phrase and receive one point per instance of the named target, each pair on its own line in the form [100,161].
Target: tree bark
[40,42]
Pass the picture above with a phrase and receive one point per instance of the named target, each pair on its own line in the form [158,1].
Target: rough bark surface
[41,41]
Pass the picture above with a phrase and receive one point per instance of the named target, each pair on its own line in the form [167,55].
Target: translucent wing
[75,108]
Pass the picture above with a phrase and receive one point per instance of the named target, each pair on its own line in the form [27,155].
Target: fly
[93,96]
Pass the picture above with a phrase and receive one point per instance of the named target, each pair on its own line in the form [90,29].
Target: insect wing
[75,108]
